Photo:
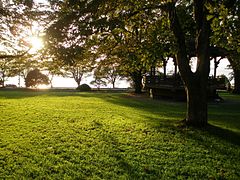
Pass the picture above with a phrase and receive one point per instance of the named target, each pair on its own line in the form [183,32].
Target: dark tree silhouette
[35,78]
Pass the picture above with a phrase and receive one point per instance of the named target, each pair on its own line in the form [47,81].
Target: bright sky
[222,67]
[60,82]
[40,1]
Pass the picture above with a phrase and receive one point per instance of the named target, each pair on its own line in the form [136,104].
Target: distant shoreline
[66,89]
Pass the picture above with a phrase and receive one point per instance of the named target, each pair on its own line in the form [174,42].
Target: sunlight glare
[43,86]
[36,43]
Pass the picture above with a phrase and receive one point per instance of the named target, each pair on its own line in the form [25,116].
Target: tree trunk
[137,82]
[51,80]
[113,83]
[2,83]
[195,83]
[3,80]
[77,80]
[78,83]
[197,110]
[236,89]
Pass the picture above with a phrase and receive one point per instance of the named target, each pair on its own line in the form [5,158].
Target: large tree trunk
[197,109]
[137,82]
[195,82]
[236,73]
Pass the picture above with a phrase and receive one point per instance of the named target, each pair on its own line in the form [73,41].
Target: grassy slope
[113,136]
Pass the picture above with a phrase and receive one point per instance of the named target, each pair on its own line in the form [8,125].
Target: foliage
[23,65]
[6,69]
[77,70]
[98,81]
[226,25]
[35,78]
[18,23]
[75,59]
[226,34]
[109,30]
[11,33]
[53,68]
[83,88]
[72,135]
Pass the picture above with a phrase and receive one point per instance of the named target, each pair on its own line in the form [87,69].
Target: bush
[84,87]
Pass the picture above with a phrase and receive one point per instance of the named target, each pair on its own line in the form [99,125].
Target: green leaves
[225,26]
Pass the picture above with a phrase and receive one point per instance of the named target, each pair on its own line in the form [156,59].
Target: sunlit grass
[57,135]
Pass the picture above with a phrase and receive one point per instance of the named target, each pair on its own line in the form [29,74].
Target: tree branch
[182,59]
[14,56]
[163,7]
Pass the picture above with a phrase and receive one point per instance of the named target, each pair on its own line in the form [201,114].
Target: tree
[69,50]
[109,70]
[98,81]
[7,69]
[76,71]
[74,60]
[4,71]
[234,59]
[67,30]
[18,21]
[226,35]
[23,65]
[35,78]
[195,82]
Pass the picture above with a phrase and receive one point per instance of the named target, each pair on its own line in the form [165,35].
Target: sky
[40,1]
[222,67]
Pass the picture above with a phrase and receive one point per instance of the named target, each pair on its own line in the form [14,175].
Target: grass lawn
[72,135]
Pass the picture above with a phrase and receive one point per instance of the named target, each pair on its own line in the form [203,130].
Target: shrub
[84,87]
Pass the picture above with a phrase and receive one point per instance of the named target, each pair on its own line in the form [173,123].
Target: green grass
[72,135]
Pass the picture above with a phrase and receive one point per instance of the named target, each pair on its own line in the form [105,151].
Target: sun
[36,43]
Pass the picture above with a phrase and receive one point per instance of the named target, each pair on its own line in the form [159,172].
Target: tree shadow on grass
[116,150]
[169,111]
[174,126]
[225,134]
